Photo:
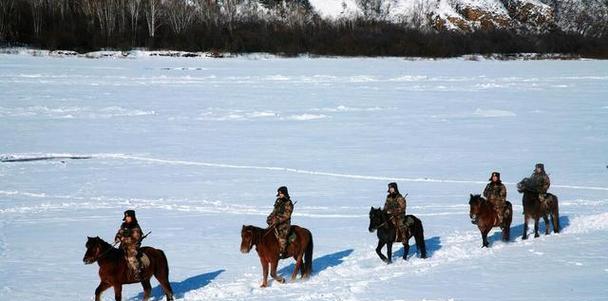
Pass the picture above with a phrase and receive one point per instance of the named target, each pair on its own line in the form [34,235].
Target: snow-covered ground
[199,146]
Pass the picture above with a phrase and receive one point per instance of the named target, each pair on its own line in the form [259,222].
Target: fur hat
[540,165]
[130,213]
[283,190]
[495,173]
[393,185]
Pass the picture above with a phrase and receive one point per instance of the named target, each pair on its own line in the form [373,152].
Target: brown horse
[535,209]
[483,214]
[114,270]
[267,246]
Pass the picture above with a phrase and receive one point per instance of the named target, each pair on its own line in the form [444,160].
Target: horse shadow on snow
[321,263]
[432,245]
[517,231]
[182,287]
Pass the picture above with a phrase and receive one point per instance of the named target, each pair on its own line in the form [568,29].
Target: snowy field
[198,147]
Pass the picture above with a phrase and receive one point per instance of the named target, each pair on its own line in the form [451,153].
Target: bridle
[384,223]
[104,253]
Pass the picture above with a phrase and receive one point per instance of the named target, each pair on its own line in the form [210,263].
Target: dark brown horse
[535,209]
[267,246]
[114,269]
[483,214]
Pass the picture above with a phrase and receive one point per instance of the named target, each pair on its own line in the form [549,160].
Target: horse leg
[525,235]
[389,251]
[379,250]
[506,232]
[547,225]
[297,268]
[164,283]
[273,271]
[264,272]
[147,289]
[118,292]
[555,219]
[100,289]
[484,238]
[536,227]
[406,249]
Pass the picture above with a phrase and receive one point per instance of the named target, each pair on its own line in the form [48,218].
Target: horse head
[94,249]
[376,219]
[247,239]
[475,202]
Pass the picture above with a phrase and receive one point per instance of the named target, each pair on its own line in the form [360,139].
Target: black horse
[534,209]
[379,220]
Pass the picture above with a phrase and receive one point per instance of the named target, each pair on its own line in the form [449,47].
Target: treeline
[286,27]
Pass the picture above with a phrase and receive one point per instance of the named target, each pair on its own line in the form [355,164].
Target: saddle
[406,223]
[291,236]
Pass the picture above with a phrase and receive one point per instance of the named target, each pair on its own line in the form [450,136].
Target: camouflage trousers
[282,231]
[500,207]
[131,254]
[400,226]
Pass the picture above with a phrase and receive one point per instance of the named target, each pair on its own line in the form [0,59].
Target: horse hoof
[282,280]
[264,285]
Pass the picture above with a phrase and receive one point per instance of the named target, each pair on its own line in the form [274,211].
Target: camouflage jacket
[495,192]
[540,182]
[283,207]
[129,235]
[395,204]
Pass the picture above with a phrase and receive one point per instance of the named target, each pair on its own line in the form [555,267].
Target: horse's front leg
[379,250]
[273,270]
[147,289]
[118,292]
[389,251]
[264,272]
[484,237]
[100,289]
[525,234]
[536,227]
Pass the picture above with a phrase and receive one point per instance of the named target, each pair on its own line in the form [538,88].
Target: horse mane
[105,246]
[475,197]
[257,233]
[483,202]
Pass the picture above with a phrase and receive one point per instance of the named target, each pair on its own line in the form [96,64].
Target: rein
[104,253]
[385,222]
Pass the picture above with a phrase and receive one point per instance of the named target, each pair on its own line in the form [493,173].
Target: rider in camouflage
[496,193]
[540,181]
[395,206]
[129,235]
[280,218]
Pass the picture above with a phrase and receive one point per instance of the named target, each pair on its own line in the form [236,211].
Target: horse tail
[161,272]
[419,236]
[555,215]
[308,257]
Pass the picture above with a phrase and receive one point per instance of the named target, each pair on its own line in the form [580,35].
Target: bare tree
[37,8]
[229,10]
[6,12]
[152,12]
[133,8]
[375,9]
[207,12]
[180,15]
[106,12]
